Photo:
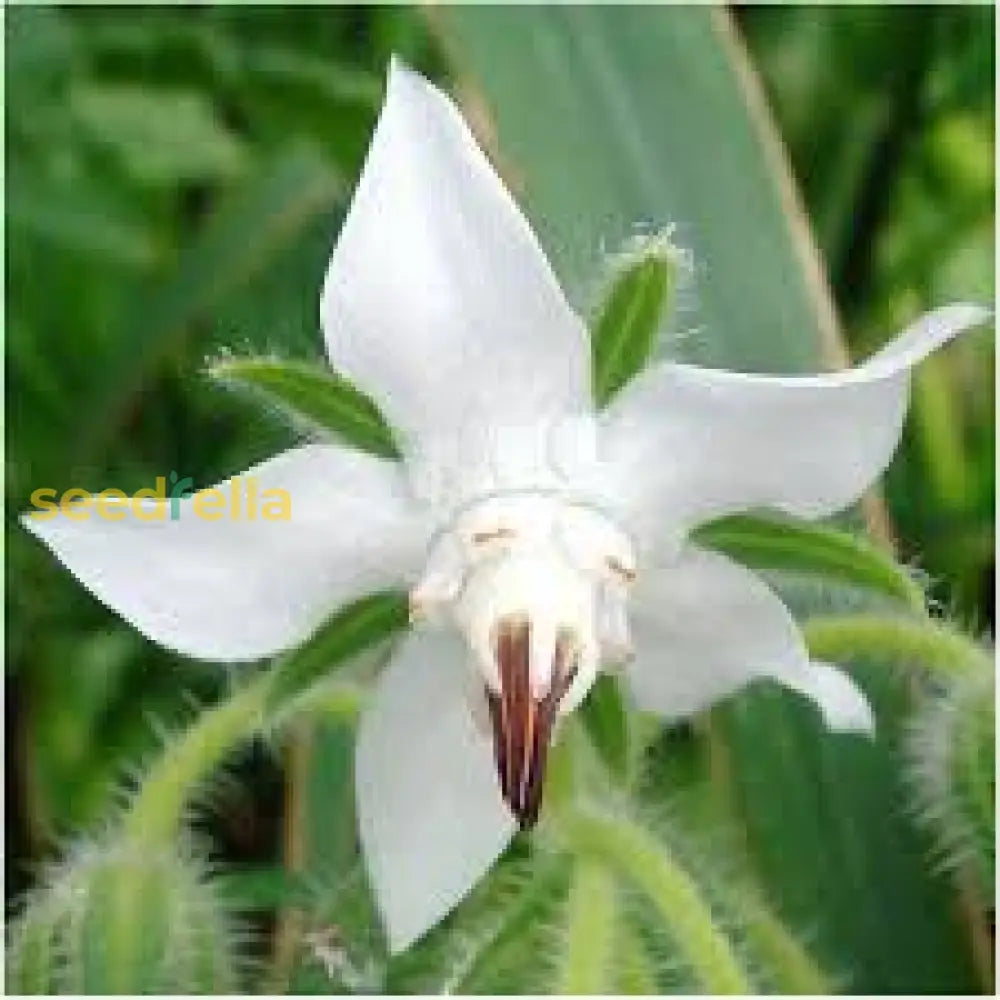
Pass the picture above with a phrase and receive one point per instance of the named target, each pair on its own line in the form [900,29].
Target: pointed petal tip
[406,257]
[402,77]
[925,335]
[245,587]
[740,440]
[957,317]
[40,523]
[28,521]
[977,312]
[399,939]
[431,820]
[397,69]
[860,724]
[844,706]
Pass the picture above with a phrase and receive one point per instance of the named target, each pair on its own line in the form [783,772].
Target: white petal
[844,706]
[431,815]
[438,299]
[688,444]
[240,589]
[705,627]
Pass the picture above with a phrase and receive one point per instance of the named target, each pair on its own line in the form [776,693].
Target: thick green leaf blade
[316,396]
[784,544]
[648,109]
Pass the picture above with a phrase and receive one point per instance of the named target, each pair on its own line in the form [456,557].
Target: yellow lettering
[277,505]
[202,500]
[43,500]
[111,504]
[78,510]
[234,498]
[156,511]
[251,498]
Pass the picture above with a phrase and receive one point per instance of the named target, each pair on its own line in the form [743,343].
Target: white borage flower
[552,538]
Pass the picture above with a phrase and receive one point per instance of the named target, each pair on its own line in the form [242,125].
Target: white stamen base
[559,565]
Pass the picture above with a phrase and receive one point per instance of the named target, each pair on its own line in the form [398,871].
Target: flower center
[538,585]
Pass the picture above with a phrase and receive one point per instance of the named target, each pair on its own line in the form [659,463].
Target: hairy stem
[790,966]
[648,864]
[158,809]
[939,649]
[636,975]
[590,929]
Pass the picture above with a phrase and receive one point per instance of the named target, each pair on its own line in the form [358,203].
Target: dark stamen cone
[522,724]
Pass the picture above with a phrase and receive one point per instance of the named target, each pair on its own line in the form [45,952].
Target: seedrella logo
[239,499]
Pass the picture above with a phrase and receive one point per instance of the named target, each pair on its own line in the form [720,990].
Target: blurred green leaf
[87,220]
[783,958]
[650,110]
[313,81]
[159,137]
[927,644]
[266,215]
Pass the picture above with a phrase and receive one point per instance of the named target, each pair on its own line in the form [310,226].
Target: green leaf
[351,630]
[654,104]
[32,956]
[785,544]
[624,332]
[606,715]
[252,227]
[317,396]
[89,220]
[319,82]
[159,136]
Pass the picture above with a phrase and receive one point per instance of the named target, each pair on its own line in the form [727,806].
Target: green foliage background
[175,179]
